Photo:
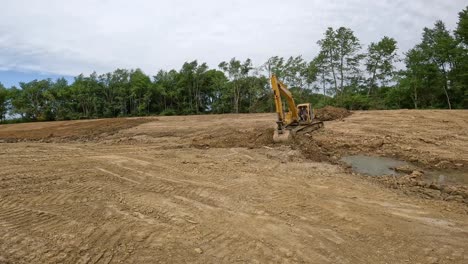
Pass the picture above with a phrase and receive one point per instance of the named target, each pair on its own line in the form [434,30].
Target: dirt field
[215,189]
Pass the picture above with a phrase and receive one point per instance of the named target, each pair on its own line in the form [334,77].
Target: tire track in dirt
[100,241]
[168,171]
[118,176]
[33,220]
[18,247]
[162,181]
[66,194]
[167,212]
[227,247]
[30,228]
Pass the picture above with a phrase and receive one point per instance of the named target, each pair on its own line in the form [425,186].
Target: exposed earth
[215,189]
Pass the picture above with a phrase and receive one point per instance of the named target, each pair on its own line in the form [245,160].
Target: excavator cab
[305,113]
[299,118]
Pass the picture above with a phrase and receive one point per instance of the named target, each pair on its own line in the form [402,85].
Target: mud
[215,189]
[449,184]
[373,166]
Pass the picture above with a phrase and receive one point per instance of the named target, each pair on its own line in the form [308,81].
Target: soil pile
[329,113]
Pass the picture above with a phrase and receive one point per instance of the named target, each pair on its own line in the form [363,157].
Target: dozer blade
[283,137]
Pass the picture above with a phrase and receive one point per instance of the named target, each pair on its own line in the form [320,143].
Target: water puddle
[374,166]
[380,166]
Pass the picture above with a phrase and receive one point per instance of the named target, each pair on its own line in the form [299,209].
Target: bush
[168,112]
[355,102]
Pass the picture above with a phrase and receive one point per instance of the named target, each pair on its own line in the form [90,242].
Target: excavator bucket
[282,137]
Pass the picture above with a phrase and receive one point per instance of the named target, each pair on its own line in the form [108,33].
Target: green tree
[441,49]
[340,58]
[31,101]
[165,97]
[296,72]
[379,62]
[460,73]
[85,92]
[319,66]
[3,102]
[275,65]
[461,31]
[216,100]
[237,72]
[140,92]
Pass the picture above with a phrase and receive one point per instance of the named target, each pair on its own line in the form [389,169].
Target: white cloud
[74,36]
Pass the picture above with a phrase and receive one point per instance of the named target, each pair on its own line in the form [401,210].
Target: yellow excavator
[299,118]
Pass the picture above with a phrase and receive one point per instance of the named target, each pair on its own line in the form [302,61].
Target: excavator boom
[280,90]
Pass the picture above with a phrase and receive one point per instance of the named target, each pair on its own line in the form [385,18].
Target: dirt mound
[329,113]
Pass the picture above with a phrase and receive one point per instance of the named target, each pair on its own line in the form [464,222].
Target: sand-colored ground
[215,189]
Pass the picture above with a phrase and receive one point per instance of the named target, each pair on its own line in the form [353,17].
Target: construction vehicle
[299,118]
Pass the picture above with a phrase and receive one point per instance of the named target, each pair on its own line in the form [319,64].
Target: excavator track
[303,129]
[288,134]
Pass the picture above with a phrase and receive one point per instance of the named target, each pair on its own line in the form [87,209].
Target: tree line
[344,74]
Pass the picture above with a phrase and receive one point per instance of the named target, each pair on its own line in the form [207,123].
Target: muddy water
[380,166]
[373,166]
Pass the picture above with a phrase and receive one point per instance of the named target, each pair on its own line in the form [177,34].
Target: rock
[421,183]
[378,143]
[404,169]
[431,193]
[459,165]
[199,250]
[443,164]
[457,198]
[416,175]
[448,189]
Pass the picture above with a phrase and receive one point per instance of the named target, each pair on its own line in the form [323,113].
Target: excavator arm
[280,89]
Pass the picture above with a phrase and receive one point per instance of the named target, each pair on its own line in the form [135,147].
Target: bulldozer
[299,118]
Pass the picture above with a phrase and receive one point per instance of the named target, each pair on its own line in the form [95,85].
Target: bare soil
[215,189]
[80,130]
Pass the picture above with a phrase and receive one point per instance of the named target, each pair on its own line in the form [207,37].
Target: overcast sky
[68,37]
